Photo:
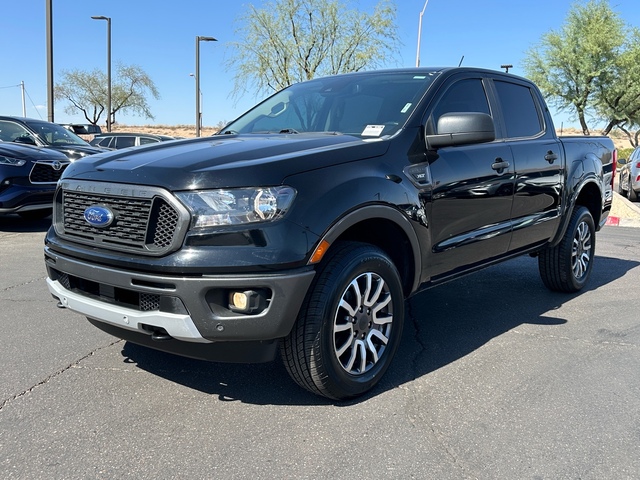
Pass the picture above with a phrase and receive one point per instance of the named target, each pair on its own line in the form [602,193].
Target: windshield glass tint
[368,105]
[54,134]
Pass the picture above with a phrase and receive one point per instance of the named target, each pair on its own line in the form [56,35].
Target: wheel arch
[389,230]
[590,196]
[587,193]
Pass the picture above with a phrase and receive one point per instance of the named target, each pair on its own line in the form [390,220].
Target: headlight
[211,208]
[14,162]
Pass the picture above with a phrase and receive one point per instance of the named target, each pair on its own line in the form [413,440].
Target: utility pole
[24,105]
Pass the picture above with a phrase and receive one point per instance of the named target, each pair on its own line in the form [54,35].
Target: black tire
[336,349]
[632,196]
[567,266]
[35,214]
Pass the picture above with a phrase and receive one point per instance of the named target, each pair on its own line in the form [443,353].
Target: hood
[224,161]
[28,152]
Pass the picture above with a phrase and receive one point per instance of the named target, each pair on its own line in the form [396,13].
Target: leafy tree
[289,41]
[87,92]
[618,99]
[575,63]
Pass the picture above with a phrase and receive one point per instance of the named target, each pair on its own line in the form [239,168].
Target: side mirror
[26,139]
[462,129]
[277,109]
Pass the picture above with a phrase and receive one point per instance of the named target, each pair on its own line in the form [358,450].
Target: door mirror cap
[462,128]
[26,139]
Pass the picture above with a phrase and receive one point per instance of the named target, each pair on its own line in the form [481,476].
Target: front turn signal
[319,252]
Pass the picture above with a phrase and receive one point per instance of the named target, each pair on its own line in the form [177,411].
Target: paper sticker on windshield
[373,130]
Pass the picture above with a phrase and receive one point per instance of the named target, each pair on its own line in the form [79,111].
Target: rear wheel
[567,266]
[350,324]
[631,194]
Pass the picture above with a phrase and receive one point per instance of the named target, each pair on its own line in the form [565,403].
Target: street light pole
[197,77]
[108,19]
[49,34]
[420,33]
[199,116]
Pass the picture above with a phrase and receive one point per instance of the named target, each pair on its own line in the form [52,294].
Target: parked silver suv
[123,140]
[629,177]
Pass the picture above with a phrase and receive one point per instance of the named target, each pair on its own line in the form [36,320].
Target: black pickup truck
[302,226]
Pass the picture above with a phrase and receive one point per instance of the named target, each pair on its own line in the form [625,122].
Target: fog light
[247,301]
[240,300]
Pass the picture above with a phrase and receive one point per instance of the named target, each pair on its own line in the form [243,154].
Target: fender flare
[574,189]
[370,212]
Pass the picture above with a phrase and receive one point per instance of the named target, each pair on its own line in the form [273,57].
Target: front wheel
[567,266]
[350,324]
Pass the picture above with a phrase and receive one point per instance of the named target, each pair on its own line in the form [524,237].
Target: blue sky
[160,38]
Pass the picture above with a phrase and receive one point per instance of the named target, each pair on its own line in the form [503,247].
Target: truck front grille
[129,228]
[149,221]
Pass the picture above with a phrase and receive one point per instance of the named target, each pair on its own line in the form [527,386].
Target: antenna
[506,67]
[461,59]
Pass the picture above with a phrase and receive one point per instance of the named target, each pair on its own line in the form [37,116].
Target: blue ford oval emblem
[98,216]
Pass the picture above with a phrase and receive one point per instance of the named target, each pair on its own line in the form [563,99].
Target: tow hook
[160,336]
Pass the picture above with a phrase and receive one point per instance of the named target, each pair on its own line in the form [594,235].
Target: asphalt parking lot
[496,378]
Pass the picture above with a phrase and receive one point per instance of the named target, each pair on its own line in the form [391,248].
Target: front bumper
[181,309]
[18,198]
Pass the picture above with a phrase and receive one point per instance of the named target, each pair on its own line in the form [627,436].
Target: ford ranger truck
[302,227]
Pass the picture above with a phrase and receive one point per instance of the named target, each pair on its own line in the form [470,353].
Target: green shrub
[624,153]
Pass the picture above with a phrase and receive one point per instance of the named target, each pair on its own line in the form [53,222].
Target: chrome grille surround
[47,171]
[148,220]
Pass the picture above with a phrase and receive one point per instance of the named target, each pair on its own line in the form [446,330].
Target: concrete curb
[623,213]
[622,222]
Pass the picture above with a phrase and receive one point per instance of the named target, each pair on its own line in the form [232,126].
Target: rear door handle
[500,165]
[551,157]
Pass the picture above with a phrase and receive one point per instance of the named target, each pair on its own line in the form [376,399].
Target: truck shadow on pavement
[442,325]
[17,224]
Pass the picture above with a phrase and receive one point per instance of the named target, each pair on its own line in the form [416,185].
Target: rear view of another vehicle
[629,177]
[28,178]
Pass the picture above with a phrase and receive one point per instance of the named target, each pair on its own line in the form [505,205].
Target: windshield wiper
[288,130]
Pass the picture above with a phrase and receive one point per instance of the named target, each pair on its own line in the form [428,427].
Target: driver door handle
[500,165]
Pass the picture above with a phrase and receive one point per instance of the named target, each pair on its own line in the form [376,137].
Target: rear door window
[520,110]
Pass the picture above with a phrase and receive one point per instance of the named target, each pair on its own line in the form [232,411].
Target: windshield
[370,104]
[54,134]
